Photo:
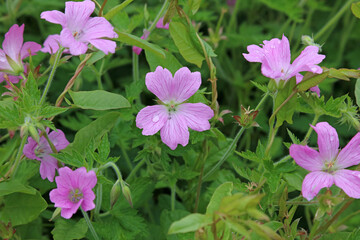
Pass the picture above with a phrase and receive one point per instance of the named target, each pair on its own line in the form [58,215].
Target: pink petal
[47,167]
[68,212]
[306,157]
[314,182]
[60,198]
[175,131]
[255,54]
[185,84]
[328,141]
[54,16]
[13,42]
[51,44]
[58,139]
[68,40]
[315,89]
[107,46]
[160,24]
[136,50]
[77,14]
[196,115]
[4,64]
[97,27]
[65,179]
[151,119]
[159,83]
[86,180]
[33,47]
[350,154]
[88,203]
[29,148]
[349,181]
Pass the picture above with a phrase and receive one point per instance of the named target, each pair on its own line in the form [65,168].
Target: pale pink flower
[138,50]
[275,57]
[41,151]
[327,166]
[174,117]
[14,51]
[160,24]
[79,29]
[74,190]
[51,44]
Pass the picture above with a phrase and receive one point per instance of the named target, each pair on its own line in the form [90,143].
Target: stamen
[75,195]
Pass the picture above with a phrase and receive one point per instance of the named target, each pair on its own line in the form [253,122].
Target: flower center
[330,167]
[75,195]
[39,151]
[172,108]
[77,34]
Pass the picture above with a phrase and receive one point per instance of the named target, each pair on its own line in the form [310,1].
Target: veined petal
[47,167]
[13,42]
[29,149]
[107,46]
[68,212]
[159,83]
[306,157]
[51,44]
[86,180]
[151,119]
[328,141]
[28,47]
[349,181]
[88,203]
[97,27]
[184,84]
[77,14]
[350,154]
[54,16]
[60,198]
[58,139]
[314,182]
[160,24]
[255,54]
[68,40]
[196,115]
[175,131]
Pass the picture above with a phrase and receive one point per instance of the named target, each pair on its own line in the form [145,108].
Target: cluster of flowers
[173,116]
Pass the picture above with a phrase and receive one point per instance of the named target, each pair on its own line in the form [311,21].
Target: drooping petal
[314,182]
[306,157]
[77,14]
[255,54]
[4,64]
[175,131]
[97,27]
[159,83]
[47,167]
[350,154]
[29,47]
[160,24]
[307,61]
[54,16]
[107,46]
[184,84]
[60,198]
[58,139]
[51,44]
[68,212]
[68,40]
[328,141]
[13,42]
[151,119]
[196,115]
[349,181]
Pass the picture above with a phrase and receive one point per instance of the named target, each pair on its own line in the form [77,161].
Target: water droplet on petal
[272,46]
[155,118]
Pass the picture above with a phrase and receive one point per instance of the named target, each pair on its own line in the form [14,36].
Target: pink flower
[14,51]
[51,44]
[275,57]
[74,189]
[138,50]
[79,29]
[41,151]
[174,117]
[160,24]
[327,166]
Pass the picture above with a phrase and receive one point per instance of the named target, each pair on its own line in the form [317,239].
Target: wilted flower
[173,117]
[328,165]
[13,52]
[79,29]
[74,190]
[41,151]
[275,56]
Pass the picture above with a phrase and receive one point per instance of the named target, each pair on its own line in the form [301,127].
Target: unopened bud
[127,194]
[55,214]
[34,133]
[114,193]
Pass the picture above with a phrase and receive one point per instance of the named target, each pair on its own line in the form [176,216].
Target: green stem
[134,171]
[232,146]
[100,86]
[334,19]
[158,16]
[98,199]
[307,136]
[23,76]
[4,137]
[113,166]
[19,154]
[91,227]
[135,66]
[52,73]
[52,146]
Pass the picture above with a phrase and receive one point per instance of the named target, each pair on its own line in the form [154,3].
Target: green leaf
[311,80]
[190,223]
[357,91]
[288,7]
[294,139]
[169,62]
[69,229]
[180,33]
[104,149]
[74,159]
[98,100]
[14,186]
[223,190]
[355,8]
[134,40]
[115,10]
[342,73]
[21,208]
[194,5]
[50,111]
[287,111]
[260,86]
[95,57]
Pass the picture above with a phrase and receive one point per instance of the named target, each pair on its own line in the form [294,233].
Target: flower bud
[55,214]
[127,194]
[114,194]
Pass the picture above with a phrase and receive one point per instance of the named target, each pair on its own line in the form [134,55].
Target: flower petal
[107,46]
[77,14]
[54,16]
[60,198]
[328,141]
[314,182]
[13,42]
[47,167]
[137,50]
[160,24]
[58,139]
[350,154]
[255,54]
[196,115]
[86,180]
[349,181]
[68,212]
[306,157]
[159,83]
[68,40]
[184,84]
[29,149]
[51,44]
[97,27]
[88,203]
[151,119]
[33,47]
[175,131]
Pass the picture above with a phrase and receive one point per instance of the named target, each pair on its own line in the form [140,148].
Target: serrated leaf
[67,229]
[190,223]
[342,73]
[287,111]
[260,86]
[50,111]
[357,91]
[73,159]
[293,138]
[104,148]
[311,80]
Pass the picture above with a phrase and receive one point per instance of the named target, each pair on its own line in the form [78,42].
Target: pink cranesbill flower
[173,117]
[14,51]
[275,57]
[327,166]
[138,50]
[74,190]
[160,24]
[51,44]
[41,151]
[79,29]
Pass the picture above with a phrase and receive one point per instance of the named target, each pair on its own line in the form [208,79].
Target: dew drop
[155,118]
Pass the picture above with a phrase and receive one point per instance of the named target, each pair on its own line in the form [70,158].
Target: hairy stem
[19,154]
[91,227]
[134,171]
